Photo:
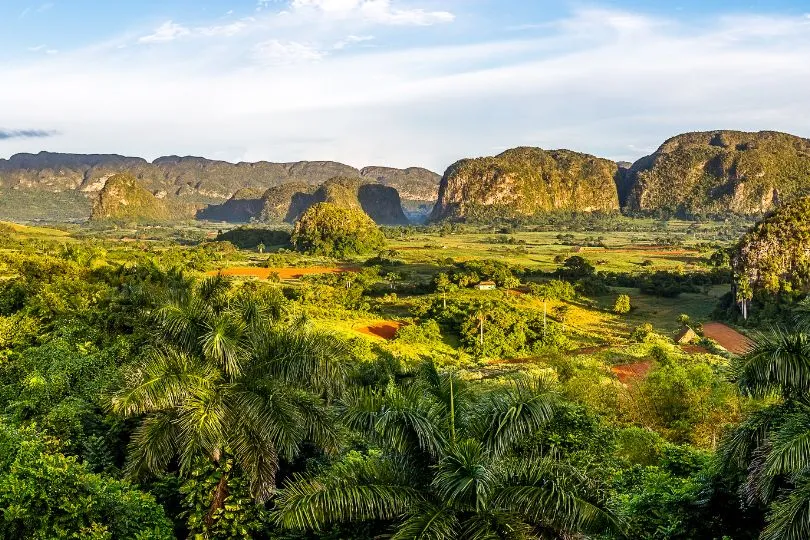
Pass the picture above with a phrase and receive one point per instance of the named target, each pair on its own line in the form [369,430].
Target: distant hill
[124,199]
[706,174]
[720,172]
[285,203]
[194,180]
[526,181]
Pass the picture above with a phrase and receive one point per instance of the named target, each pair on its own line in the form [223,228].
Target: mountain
[285,203]
[720,172]
[775,254]
[526,181]
[194,180]
[124,199]
[243,205]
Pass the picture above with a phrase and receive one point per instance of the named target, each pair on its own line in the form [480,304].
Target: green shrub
[334,231]
[622,305]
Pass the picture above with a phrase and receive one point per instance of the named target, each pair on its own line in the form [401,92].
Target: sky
[394,82]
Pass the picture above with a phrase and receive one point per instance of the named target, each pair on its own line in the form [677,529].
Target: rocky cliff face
[286,203]
[243,206]
[123,199]
[193,180]
[775,254]
[720,172]
[527,181]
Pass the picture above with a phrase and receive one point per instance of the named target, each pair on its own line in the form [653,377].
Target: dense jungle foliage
[144,394]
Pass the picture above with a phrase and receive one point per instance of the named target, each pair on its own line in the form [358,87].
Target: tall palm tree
[225,380]
[772,446]
[447,469]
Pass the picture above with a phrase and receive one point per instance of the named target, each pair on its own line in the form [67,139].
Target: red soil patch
[386,330]
[283,273]
[630,372]
[695,349]
[728,338]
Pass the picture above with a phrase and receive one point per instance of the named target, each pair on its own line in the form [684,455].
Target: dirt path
[283,273]
[385,329]
[728,338]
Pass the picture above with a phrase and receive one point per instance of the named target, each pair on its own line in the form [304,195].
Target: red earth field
[384,329]
[630,372]
[728,338]
[283,273]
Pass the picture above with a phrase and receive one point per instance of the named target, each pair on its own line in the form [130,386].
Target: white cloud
[351,40]
[168,31]
[605,82]
[278,53]
[378,11]
[226,30]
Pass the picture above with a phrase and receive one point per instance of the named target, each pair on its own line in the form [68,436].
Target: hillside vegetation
[527,181]
[123,198]
[193,179]
[775,254]
[721,172]
[286,203]
[336,231]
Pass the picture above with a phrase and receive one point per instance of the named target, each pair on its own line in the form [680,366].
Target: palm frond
[789,518]
[511,414]
[790,450]
[409,422]
[223,343]
[464,477]
[495,525]
[552,495]
[153,445]
[738,447]
[164,379]
[203,426]
[371,489]
[778,363]
[305,358]
[252,443]
[429,522]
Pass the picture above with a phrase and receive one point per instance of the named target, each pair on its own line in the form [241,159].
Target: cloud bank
[25,134]
[307,81]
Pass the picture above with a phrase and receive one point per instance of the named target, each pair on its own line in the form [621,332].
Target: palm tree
[772,446]
[225,380]
[447,469]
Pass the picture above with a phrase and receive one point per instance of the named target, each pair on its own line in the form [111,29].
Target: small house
[486,286]
[685,336]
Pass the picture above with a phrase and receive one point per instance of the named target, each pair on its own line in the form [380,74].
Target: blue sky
[395,82]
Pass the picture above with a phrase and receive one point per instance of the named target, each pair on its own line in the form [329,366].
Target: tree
[444,285]
[577,267]
[743,293]
[45,494]
[225,382]
[622,305]
[772,446]
[448,467]
[260,248]
[392,278]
